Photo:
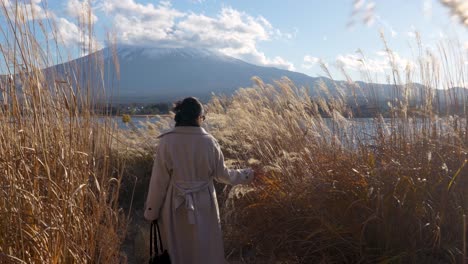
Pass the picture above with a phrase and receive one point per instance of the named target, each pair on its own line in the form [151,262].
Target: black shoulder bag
[155,256]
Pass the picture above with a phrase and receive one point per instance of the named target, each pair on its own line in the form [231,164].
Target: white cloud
[82,10]
[70,34]
[141,23]
[28,10]
[231,32]
[380,63]
[349,61]
[278,62]
[411,34]
[143,12]
[257,57]
[230,29]
[67,32]
[309,61]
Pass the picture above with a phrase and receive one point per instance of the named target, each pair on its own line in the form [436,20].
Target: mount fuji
[135,74]
[127,74]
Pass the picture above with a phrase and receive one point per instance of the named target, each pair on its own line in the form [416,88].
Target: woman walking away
[181,194]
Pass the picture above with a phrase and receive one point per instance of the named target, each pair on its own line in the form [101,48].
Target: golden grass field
[72,186]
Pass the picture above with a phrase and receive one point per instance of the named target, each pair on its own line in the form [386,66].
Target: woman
[181,194]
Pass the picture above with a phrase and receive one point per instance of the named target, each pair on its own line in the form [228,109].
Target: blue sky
[292,35]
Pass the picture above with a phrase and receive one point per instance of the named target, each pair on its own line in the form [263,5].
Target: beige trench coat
[182,196]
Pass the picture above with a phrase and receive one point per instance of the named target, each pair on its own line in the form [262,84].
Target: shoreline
[137,116]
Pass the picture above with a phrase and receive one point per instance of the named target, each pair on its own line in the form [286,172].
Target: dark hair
[187,112]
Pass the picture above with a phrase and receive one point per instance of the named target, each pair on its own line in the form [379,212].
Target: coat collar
[185,130]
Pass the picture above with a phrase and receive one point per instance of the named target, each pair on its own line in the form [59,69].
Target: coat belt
[185,194]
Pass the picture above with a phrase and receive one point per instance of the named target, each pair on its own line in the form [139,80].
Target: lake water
[137,121]
[350,133]
[353,130]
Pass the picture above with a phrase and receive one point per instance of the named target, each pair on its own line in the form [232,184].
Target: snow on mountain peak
[127,52]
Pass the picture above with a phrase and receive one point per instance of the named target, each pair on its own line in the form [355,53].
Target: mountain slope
[148,75]
[133,74]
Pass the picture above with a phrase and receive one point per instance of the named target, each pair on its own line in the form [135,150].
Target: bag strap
[153,240]
[160,240]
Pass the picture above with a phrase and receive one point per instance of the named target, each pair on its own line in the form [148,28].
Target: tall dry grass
[59,181]
[338,189]
[345,190]
[333,190]
[331,194]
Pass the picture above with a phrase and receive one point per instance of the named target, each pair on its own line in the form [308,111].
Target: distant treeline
[392,109]
[354,110]
[372,110]
[135,109]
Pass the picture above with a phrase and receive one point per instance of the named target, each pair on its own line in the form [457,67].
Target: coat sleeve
[224,175]
[160,178]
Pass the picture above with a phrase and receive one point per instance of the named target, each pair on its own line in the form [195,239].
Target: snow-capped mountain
[128,52]
[150,74]
[135,74]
